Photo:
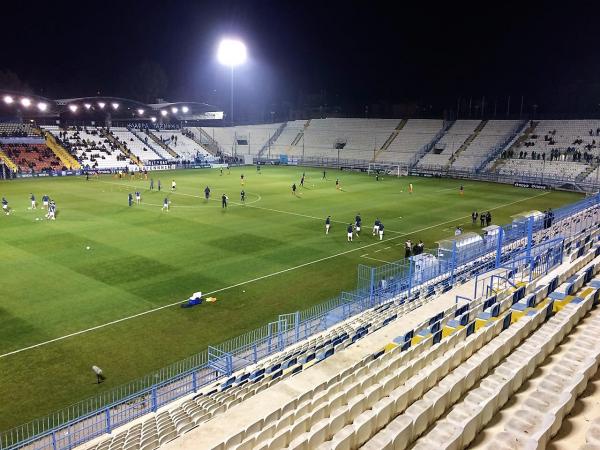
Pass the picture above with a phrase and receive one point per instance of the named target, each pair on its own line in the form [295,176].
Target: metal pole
[529,236]
[499,248]
[372,287]
[231,111]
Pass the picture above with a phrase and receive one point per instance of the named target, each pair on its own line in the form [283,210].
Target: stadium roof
[118,107]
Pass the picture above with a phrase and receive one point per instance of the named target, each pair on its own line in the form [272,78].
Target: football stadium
[219,267]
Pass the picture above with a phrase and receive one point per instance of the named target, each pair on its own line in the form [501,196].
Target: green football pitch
[65,307]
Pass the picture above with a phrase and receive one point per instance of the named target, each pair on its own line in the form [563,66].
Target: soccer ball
[88,247]
[37,218]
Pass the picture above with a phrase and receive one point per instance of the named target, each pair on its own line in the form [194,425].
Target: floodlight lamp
[231,52]
[163,112]
[42,106]
[140,112]
[73,108]
[8,99]
[87,106]
[26,102]
[101,105]
[115,105]
[153,119]
[185,109]
[174,110]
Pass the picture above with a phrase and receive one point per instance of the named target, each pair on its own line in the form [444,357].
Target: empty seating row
[185,147]
[494,134]
[449,144]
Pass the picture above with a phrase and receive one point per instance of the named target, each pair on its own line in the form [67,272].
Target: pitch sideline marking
[289,269]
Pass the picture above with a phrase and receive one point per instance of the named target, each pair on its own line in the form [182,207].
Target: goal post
[387,169]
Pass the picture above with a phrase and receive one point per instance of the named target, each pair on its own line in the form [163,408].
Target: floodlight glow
[163,112]
[8,99]
[42,106]
[87,106]
[141,112]
[101,105]
[231,52]
[153,119]
[115,105]
[185,109]
[73,108]
[26,102]
[174,110]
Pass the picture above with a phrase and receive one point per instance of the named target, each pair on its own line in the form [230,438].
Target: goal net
[387,169]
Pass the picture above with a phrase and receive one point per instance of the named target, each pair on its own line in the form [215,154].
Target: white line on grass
[289,269]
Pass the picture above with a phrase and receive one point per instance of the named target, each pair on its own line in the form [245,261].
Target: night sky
[347,53]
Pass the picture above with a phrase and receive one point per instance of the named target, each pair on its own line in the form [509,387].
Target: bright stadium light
[42,106]
[163,112]
[115,105]
[231,53]
[185,109]
[141,112]
[153,119]
[174,110]
[73,108]
[26,102]
[101,105]
[87,106]
[8,100]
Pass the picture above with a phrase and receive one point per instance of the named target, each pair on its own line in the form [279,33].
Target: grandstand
[562,149]
[185,147]
[243,139]
[14,129]
[32,157]
[358,139]
[91,148]
[144,150]
[490,139]
[449,144]
[146,138]
[413,136]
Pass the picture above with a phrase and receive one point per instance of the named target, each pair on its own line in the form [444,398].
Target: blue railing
[98,415]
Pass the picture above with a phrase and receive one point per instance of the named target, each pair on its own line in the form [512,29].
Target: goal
[387,169]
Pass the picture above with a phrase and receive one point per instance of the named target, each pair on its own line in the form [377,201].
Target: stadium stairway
[272,139]
[7,161]
[390,138]
[161,144]
[299,135]
[211,146]
[496,164]
[466,143]
[588,170]
[61,153]
[121,147]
